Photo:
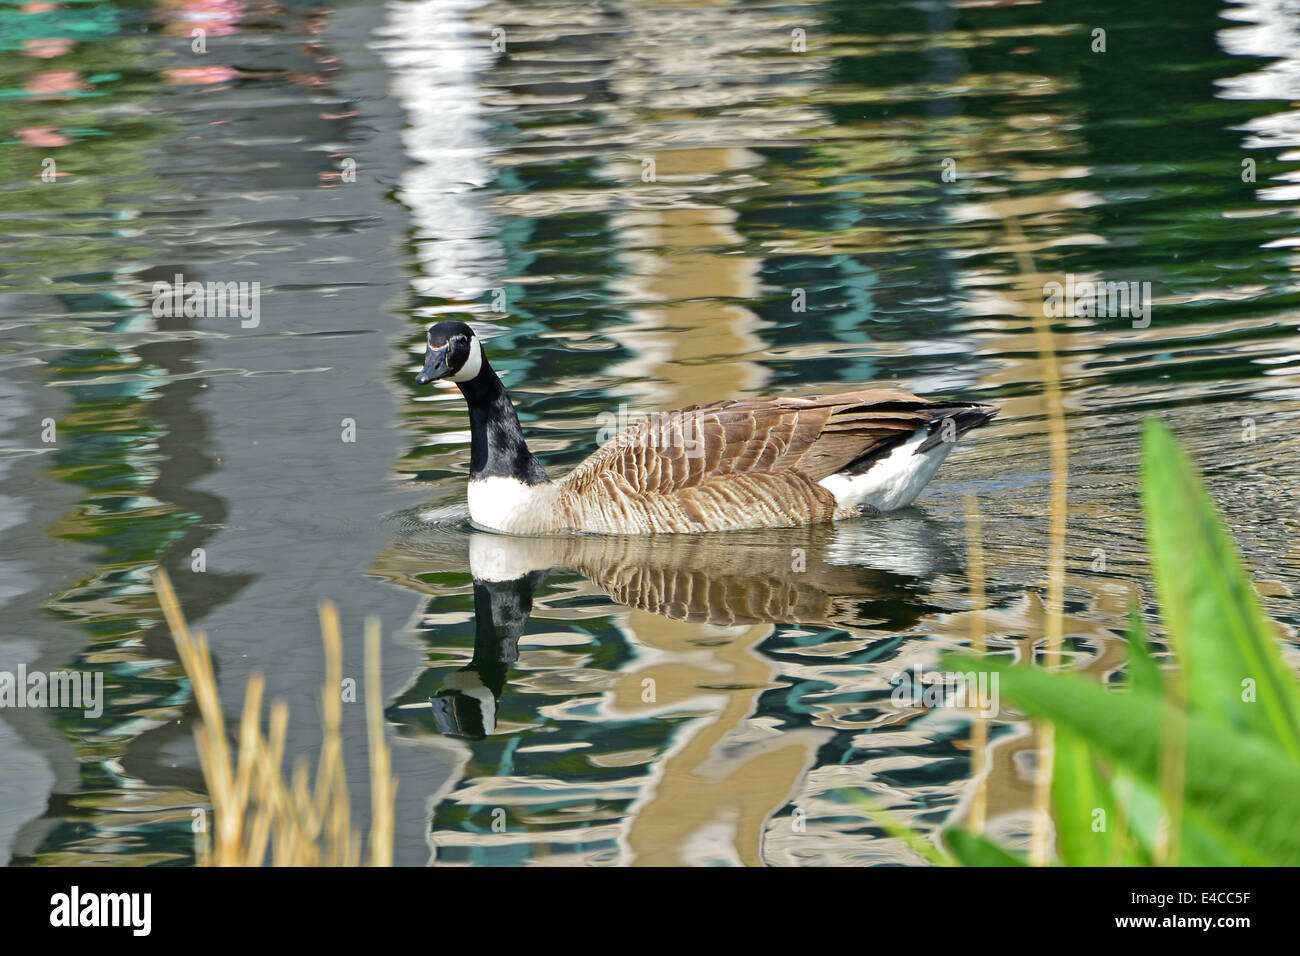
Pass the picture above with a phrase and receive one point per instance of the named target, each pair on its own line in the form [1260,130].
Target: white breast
[507,504]
[893,481]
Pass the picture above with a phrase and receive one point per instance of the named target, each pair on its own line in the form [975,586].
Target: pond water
[640,207]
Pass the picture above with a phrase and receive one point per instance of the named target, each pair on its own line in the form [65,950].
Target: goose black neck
[497,448]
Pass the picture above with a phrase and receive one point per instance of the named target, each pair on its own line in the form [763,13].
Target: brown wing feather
[816,437]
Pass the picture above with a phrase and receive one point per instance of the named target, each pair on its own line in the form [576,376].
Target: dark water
[703,700]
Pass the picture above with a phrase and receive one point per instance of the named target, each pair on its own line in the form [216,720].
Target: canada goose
[746,463]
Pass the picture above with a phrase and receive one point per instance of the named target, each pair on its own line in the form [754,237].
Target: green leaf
[1243,783]
[1082,802]
[1137,809]
[1209,607]
[1203,842]
[972,850]
[1143,672]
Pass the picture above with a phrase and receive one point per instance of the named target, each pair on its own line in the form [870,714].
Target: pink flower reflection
[42,136]
[47,48]
[201,75]
[55,84]
[217,17]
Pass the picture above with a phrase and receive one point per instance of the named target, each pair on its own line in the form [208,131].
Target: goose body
[730,465]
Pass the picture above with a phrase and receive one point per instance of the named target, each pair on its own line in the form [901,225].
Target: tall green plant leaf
[1143,672]
[972,850]
[1243,783]
[1091,829]
[1203,841]
[1223,639]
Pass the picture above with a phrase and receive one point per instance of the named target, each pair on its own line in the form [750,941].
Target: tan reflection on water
[693,347]
[700,798]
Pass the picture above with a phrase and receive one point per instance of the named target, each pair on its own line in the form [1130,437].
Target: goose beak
[435,366]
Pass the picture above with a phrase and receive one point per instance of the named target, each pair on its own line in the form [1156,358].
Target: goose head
[496,448]
[452,352]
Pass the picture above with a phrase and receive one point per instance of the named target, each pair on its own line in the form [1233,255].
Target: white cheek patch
[472,365]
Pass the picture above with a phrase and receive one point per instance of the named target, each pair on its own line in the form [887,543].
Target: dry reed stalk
[1054,626]
[383,787]
[979,728]
[255,811]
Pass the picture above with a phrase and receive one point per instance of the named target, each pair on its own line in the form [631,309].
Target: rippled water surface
[641,206]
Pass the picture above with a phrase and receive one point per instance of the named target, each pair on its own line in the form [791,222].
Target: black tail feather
[964,415]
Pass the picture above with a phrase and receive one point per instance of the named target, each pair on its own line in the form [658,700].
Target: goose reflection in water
[466,705]
[846,576]
[673,695]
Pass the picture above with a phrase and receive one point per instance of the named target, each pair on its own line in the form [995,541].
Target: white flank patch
[893,481]
[470,369]
[505,504]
